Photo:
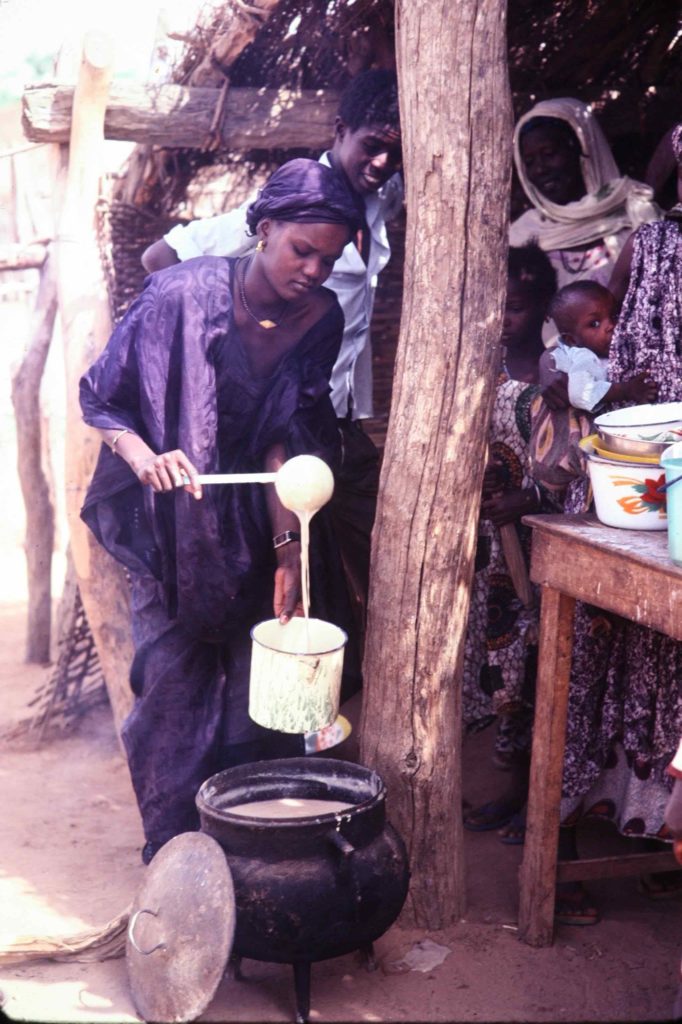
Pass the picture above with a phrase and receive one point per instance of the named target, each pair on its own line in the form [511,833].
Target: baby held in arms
[585,315]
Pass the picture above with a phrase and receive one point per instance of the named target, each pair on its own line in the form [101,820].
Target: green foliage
[41,65]
[35,67]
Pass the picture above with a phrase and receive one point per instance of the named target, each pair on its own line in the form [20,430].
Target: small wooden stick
[516,563]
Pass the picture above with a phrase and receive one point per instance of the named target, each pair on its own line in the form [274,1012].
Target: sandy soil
[70,860]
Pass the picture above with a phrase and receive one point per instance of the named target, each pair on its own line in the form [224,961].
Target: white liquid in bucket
[295,682]
[289,807]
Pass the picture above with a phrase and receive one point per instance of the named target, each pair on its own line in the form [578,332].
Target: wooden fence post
[86,327]
[35,486]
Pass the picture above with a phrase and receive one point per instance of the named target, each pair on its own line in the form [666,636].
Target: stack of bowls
[624,464]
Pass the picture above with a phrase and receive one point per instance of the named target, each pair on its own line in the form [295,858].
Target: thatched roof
[621,55]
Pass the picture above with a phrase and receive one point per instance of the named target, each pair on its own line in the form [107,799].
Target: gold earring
[261,245]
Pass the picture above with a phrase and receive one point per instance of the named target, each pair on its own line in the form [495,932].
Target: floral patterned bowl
[626,495]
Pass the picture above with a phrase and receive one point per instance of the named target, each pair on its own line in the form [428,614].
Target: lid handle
[131,930]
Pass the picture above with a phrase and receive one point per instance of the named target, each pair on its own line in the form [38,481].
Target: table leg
[538,869]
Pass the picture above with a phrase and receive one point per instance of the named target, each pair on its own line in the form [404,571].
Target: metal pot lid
[181,929]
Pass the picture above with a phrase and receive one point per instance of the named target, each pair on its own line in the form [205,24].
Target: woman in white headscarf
[583,208]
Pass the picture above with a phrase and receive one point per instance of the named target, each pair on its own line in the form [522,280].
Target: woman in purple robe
[221,365]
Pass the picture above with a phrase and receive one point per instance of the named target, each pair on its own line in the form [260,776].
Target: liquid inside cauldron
[307,889]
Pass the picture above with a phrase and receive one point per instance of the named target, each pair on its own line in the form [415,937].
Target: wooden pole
[457,124]
[538,871]
[516,564]
[86,327]
[35,484]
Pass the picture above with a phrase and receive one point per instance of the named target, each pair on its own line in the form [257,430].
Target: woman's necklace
[580,265]
[265,323]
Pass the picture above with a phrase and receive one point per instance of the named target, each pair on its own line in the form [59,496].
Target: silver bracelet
[117,438]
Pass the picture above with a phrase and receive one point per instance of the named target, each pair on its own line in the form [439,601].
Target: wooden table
[624,571]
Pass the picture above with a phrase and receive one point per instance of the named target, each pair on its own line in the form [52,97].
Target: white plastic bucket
[295,682]
[671,461]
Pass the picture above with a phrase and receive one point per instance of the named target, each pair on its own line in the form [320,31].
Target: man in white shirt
[367,152]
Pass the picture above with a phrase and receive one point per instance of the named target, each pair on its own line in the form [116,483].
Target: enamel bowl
[601,449]
[648,444]
[641,429]
[626,493]
[641,416]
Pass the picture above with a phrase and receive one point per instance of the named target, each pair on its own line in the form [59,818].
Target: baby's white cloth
[587,374]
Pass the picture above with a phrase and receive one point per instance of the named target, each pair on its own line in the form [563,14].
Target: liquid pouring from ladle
[303,484]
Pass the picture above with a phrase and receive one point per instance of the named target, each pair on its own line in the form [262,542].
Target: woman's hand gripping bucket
[295,682]
[671,461]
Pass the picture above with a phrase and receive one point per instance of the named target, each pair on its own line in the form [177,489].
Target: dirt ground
[70,860]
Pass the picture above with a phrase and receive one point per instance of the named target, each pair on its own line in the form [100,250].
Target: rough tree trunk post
[86,326]
[456,120]
[35,486]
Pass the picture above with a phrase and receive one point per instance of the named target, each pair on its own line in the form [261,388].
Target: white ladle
[303,485]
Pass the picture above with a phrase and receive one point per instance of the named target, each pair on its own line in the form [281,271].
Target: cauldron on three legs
[288,890]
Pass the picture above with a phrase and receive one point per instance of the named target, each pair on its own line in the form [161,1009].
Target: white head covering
[612,202]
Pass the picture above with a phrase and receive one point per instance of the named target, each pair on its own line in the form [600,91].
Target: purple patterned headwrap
[677,142]
[305,190]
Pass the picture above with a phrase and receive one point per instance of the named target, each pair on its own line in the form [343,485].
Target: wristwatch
[288,537]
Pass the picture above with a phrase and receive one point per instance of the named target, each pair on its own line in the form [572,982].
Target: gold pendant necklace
[266,324]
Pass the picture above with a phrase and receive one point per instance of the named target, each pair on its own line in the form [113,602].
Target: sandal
[663,885]
[573,906]
[490,816]
[514,832]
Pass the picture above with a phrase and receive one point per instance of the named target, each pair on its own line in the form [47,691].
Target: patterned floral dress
[625,702]
[500,652]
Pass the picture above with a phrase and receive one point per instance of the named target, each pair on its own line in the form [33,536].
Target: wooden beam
[16,256]
[623,866]
[179,116]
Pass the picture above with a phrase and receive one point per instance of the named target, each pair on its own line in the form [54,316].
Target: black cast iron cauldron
[307,889]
